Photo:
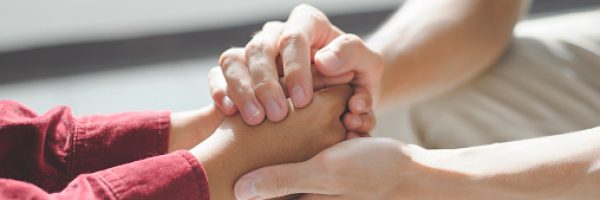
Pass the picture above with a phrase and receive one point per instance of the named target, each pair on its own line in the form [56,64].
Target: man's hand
[360,168]
[236,148]
[288,51]
[564,166]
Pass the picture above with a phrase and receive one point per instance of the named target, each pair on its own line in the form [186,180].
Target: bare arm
[564,166]
[557,167]
[432,46]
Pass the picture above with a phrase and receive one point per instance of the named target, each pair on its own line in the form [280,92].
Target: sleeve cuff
[103,141]
[173,176]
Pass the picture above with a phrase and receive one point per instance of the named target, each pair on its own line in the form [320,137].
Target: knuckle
[214,71]
[229,56]
[311,13]
[241,85]
[217,94]
[235,83]
[217,97]
[271,25]
[293,71]
[351,41]
[259,68]
[303,7]
[214,75]
[239,92]
[233,75]
[266,86]
[261,71]
[369,123]
[256,47]
[307,9]
[291,36]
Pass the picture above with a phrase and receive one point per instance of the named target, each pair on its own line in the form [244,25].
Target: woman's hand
[236,148]
[288,51]
[192,127]
[360,168]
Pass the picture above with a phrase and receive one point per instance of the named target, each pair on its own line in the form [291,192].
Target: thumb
[218,91]
[348,53]
[275,181]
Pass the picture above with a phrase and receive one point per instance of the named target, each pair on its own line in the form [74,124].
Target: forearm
[173,176]
[432,46]
[191,127]
[558,167]
[51,149]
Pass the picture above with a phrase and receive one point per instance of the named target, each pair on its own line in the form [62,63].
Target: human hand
[236,148]
[192,127]
[360,168]
[288,50]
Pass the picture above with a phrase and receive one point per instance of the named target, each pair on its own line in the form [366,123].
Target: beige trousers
[547,82]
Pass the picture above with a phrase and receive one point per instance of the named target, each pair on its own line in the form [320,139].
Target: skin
[380,168]
[236,148]
[192,127]
[429,48]
[284,59]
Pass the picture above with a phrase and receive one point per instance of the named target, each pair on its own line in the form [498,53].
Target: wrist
[192,127]
[454,174]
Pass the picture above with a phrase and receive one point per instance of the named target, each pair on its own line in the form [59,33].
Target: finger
[296,68]
[276,181]
[239,86]
[218,91]
[335,98]
[261,53]
[362,124]
[351,135]
[305,28]
[360,102]
[320,81]
[349,53]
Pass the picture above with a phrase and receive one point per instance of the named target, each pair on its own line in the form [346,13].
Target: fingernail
[273,109]
[246,190]
[251,110]
[227,103]
[330,60]
[297,94]
[355,121]
[361,105]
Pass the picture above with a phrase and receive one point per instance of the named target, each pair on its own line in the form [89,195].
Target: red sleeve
[173,176]
[51,149]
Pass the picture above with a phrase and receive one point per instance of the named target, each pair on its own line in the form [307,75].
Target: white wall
[28,23]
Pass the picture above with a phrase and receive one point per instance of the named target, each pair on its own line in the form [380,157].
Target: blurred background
[114,55]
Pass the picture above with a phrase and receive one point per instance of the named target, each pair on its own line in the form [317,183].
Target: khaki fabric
[547,82]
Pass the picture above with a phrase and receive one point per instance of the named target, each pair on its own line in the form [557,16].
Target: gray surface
[172,86]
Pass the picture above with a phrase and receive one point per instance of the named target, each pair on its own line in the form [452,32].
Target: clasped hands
[332,79]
